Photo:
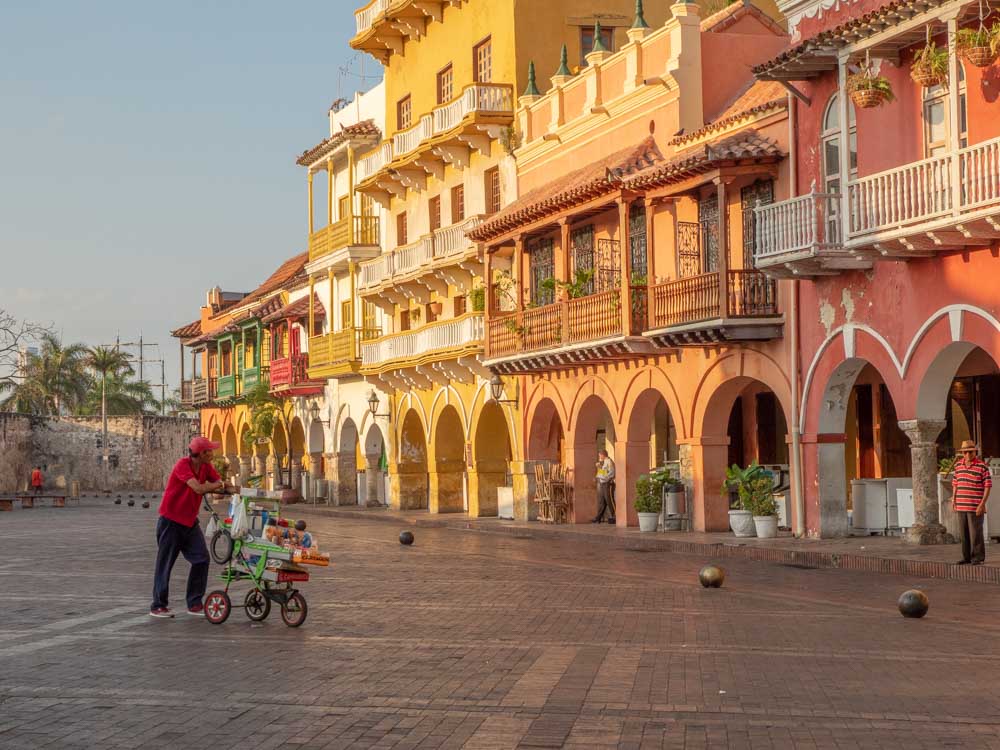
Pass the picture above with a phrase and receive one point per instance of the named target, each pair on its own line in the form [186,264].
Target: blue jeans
[174,539]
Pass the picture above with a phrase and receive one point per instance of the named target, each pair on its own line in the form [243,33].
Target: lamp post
[496,391]
[373,403]
[315,412]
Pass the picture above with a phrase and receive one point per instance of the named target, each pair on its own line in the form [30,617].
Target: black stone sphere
[913,603]
[406,537]
[145,503]
[711,576]
[131,503]
[118,501]
[300,525]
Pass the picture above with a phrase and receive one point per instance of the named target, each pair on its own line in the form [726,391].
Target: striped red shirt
[970,481]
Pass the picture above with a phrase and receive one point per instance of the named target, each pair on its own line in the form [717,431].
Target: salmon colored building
[622,292]
[891,227]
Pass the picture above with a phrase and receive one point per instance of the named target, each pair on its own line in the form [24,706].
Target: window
[541,260]
[587,41]
[581,242]
[831,145]
[935,113]
[760,193]
[404,320]
[403,113]
[637,242]
[346,315]
[430,315]
[225,360]
[457,204]
[371,323]
[460,305]
[343,207]
[492,179]
[265,348]
[434,206]
[401,229]
[482,56]
[444,85]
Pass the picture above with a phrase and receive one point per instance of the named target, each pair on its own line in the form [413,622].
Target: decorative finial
[532,89]
[598,42]
[563,62]
[640,20]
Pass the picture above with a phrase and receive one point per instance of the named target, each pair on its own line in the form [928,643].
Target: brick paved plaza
[482,641]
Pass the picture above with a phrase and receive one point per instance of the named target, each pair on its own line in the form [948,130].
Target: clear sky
[147,153]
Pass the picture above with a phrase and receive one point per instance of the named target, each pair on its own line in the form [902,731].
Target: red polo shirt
[971,478]
[180,503]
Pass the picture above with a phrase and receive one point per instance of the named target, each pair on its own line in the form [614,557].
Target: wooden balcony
[690,311]
[197,393]
[435,353]
[290,376]
[946,202]
[339,235]
[225,387]
[560,335]
[337,354]
[250,377]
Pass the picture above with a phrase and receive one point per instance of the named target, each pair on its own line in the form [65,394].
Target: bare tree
[15,334]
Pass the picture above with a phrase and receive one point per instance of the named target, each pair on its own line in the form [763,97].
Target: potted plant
[869,90]
[760,502]
[436,308]
[477,297]
[648,502]
[979,46]
[947,465]
[930,66]
[738,481]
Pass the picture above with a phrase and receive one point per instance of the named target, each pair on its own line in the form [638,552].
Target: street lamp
[315,412]
[496,390]
[373,406]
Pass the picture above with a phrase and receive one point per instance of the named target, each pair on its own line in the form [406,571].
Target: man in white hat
[971,485]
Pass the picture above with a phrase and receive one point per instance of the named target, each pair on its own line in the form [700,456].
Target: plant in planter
[869,90]
[648,501]
[477,298]
[580,286]
[947,465]
[436,308]
[979,46]
[930,66]
[738,482]
[759,500]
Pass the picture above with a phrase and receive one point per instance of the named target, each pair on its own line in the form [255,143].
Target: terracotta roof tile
[186,332]
[723,19]
[364,129]
[297,309]
[271,305]
[759,96]
[286,275]
[597,178]
[748,144]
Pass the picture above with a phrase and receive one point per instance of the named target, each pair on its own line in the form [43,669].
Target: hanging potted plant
[979,46]
[436,308]
[930,65]
[867,89]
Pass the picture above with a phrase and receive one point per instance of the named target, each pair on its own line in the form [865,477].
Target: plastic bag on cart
[211,528]
[241,522]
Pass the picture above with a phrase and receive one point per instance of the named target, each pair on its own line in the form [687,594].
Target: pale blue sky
[147,153]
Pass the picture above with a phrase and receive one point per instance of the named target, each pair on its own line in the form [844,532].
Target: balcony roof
[748,145]
[191,330]
[295,310]
[819,53]
[600,177]
[365,132]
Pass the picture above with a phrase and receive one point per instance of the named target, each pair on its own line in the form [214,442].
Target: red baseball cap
[201,444]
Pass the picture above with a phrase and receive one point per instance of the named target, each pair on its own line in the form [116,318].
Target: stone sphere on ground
[145,503]
[913,603]
[131,503]
[406,537]
[118,501]
[711,576]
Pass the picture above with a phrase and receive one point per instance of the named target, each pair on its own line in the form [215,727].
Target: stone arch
[653,380]
[599,388]
[346,464]
[317,437]
[545,440]
[447,480]
[410,478]
[375,454]
[593,424]
[492,454]
[215,435]
[651,439]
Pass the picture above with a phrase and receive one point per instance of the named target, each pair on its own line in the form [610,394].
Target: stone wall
[141,451]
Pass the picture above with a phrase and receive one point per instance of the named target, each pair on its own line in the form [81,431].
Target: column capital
[922,431]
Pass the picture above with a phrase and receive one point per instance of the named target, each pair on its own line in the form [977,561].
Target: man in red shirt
[971,485]
[36,480]
[177,529]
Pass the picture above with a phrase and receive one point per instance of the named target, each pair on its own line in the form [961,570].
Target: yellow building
[453,71]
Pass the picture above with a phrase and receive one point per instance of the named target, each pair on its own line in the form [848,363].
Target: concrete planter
[766,526]
[648,521]
[741,522]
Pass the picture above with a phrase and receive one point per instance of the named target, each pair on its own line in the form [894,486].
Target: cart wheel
[258,606]
[221,547]
[217,607]
[294,612]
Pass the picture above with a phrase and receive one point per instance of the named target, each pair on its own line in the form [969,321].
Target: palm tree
[106,362]
[118,396]
[55,380]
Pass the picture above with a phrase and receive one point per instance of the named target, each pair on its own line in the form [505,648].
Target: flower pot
[648,521]
[436,308]
[766,526]
[926,78]
[867,98]
[741,522]
[981,57]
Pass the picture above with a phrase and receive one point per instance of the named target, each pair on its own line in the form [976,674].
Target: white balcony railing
[365,18]
[452,240]
[409,140]
[809,223]
[979,167]
[436,337]
[480,97]
[377,270]
[375,161]
[913,193]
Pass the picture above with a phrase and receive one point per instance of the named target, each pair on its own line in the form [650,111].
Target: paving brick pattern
[482,641]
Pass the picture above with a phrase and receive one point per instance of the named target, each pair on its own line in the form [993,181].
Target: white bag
[241,523]
[211,528]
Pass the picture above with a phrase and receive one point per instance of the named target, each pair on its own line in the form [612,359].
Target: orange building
[622,292]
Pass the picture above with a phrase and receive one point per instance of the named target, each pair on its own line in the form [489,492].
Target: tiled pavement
[482,641]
